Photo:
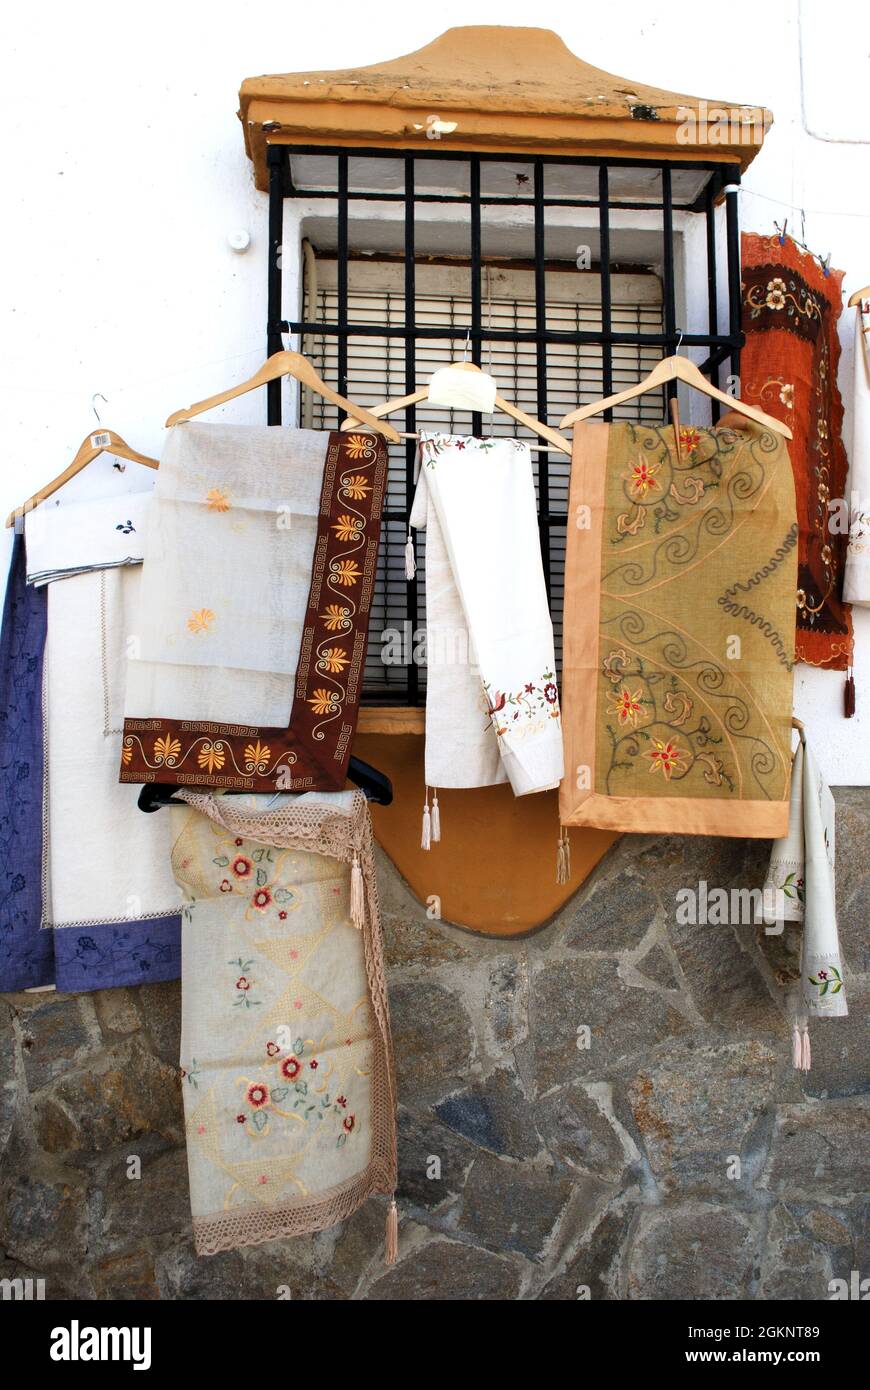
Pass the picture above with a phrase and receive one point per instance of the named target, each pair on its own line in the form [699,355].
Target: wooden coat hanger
[287,364]
[557,440]
[859,295]
[677,368]
[101,441]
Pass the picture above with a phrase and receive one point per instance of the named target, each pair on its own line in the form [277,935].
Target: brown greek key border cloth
[217,649]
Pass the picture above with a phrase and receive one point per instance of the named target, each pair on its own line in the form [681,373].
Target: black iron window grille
[386,345]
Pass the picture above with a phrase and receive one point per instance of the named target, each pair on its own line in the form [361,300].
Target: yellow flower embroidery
[199,621]
[257,756]
[323,702]
[358,446]
[357,486]
[667,757]
[347,528]
[346,572]
[333,659]
[218,500]
[335,617]
[211,757]
[626,706]
[126,755]
[166,749]
[642,478]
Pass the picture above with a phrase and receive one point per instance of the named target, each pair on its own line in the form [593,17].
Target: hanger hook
[98,395]
[467,347]
[679,340]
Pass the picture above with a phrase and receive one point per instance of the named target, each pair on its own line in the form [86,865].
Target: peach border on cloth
[579,802]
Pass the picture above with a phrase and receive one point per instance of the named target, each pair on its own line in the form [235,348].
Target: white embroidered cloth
[483,494]
[800,879]
[227,574]
[856,579]
[103,860]
[77,536]
[289,1095]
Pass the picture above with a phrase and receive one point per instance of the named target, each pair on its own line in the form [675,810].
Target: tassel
[357,895]
[391,1241]
[796,1048]
[806,1055]
[410,561]
[426,837]
[849,695]
[563,857]
[436,817]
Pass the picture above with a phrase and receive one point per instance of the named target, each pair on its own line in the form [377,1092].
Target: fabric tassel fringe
[806,1055]
[357,895]
[410,560]
[801,1053]
[426,835]
[391,1240]
[436,818]
[849,695]
[563,857]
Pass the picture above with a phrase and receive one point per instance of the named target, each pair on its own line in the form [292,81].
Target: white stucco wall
[124,172]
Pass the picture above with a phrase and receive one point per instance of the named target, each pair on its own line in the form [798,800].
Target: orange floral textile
[789,369]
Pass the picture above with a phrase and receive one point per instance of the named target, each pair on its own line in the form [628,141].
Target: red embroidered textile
[789,369]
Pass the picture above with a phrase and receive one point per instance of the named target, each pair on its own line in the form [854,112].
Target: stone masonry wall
[559,1168]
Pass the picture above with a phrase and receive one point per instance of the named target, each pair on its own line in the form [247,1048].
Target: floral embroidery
[345,572]
[614,664]
[347,528]
[126,526]
[244,984]
[211,757]
[358,446]
[262,899]
[290,1068]
[642,478]
[690,438]
[776,294]
[166,749]
[217,500]
[257,756]
[828,981]
[335,618]
[535,700]
[792,887]
[666,757]
[201,620]
[242,867]
[324,701]
[356,487]
[333,659]
[126,755]
[257,1095]
[627,706]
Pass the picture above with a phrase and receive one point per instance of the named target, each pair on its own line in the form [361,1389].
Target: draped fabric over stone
[252,627]
[678,631]
[492,702]
[788,368]
[289,1093]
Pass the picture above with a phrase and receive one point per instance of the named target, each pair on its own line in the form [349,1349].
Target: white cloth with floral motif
[75,537]
[277,1031]
[501,696]
[800,885]
[227,574]
[856,579]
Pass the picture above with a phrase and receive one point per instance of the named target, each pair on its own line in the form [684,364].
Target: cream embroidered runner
[678,631]
[490,657]
[288,1082]
[249,646]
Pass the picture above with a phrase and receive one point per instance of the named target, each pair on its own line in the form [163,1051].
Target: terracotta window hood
[490,90]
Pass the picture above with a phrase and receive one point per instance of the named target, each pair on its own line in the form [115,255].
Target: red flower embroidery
[239,843]
[243,983]
[341,1100]
[241,1119]
[550,693]
[497,702]
[313,1064]
[257,1095]
[272,1049]
[282,917]
[261,898]
[348,1122]
[226,886]
[290,1068]
[242,867]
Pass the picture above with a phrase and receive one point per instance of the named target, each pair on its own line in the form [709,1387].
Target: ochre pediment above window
[492,89]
